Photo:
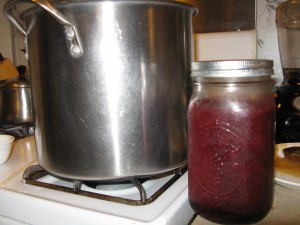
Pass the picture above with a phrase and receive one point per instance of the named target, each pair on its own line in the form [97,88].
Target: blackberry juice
[231,142]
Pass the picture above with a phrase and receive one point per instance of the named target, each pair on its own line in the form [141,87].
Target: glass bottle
[231,140]
[287,95]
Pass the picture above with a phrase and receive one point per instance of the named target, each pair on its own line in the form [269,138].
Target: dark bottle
[287,98]
[288,94]
[231,140]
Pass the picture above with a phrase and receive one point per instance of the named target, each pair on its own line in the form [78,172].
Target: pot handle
[70,30]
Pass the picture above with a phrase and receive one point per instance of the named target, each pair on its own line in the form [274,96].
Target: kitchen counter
[285,210]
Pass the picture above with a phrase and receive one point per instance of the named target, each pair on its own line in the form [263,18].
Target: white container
[5,147]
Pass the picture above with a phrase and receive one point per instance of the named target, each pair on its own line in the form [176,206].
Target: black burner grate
[33,173]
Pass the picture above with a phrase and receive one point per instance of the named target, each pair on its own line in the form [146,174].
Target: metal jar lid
[235,69]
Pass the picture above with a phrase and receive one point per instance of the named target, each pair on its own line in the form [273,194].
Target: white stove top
[23,203]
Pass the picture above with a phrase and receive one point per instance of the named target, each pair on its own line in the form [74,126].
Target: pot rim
[182,3]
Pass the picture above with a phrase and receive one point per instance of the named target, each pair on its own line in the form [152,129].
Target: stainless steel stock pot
[110,84]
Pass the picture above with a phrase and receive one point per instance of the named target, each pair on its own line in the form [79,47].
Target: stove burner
[33,173]
[18,131]
[112,186]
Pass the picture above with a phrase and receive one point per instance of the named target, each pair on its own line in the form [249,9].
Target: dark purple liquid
[231,159]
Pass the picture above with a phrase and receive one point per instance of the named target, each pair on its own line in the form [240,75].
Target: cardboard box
[7,70]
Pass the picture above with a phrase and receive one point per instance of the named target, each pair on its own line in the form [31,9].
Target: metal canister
[15,100]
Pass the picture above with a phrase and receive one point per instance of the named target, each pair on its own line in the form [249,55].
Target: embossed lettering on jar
[231,141]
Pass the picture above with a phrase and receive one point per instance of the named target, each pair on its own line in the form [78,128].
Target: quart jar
[231,140]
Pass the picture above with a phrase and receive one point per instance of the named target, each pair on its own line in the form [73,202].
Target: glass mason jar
[231,140]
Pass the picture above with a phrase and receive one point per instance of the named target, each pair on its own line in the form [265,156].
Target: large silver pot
[110,83]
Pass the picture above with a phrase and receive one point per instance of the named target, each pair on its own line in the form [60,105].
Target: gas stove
[141,202]
[18,131]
